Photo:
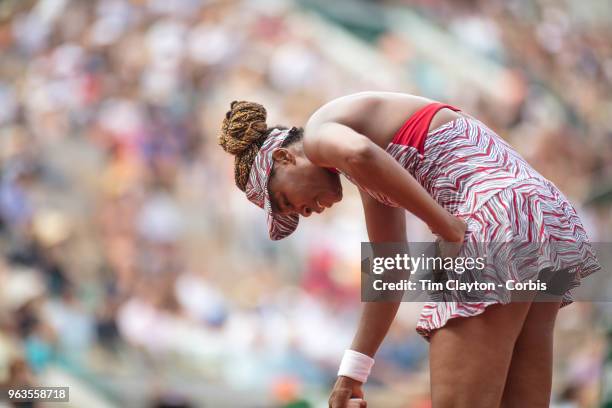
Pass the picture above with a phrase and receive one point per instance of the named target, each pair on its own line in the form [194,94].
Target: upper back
[377,115]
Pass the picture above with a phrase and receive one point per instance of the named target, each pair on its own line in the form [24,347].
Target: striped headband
[279,226]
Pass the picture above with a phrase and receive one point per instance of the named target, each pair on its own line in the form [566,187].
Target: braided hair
[243,132]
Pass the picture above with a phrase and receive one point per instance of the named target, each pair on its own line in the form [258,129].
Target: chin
[338,195]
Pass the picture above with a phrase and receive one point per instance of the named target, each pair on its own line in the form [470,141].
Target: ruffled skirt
[529,233]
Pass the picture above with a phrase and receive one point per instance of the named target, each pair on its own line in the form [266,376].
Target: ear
[283,156]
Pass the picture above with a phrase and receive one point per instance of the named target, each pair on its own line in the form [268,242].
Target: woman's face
[297,186]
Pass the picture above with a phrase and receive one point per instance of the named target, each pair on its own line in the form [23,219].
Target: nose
[306,211]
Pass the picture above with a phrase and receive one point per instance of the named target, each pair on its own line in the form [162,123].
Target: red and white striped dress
[475,175]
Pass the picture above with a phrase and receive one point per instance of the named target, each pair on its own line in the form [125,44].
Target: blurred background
[134,271]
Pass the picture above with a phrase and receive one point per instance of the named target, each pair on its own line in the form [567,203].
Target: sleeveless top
[461,164]
[474,174]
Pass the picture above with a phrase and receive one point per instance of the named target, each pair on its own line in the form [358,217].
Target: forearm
[384,224]
[377,171]
[376,318]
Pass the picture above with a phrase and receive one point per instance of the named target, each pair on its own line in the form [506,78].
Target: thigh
[470,357]
[530,376]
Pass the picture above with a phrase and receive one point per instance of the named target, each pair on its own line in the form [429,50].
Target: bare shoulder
[329,112]
[376,115]
[324,115]
[353,107]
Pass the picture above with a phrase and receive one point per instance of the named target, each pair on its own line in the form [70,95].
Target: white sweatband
[356,365]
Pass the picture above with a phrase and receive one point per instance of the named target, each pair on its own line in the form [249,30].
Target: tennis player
[408,153]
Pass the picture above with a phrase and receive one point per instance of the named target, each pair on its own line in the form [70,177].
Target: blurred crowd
[129,259]
[563,48]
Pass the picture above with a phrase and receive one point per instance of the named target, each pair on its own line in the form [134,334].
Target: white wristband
[356,365]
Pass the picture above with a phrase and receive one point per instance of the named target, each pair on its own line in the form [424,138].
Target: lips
[324,203]
[320,206]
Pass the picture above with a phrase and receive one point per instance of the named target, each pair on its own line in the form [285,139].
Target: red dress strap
[414,131]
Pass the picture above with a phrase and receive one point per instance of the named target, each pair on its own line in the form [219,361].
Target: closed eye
[282,205]
[287,207]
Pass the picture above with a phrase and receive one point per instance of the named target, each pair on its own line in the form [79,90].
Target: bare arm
[336,145]
[384,224]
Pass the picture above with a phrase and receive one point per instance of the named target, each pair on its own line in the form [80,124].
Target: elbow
[360,154]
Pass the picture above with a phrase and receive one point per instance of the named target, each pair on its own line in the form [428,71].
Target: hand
[448,249]
[347,393]
[453,229]
[459,226]
[451,248]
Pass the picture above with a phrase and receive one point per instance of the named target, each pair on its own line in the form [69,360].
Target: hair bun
[242,134]
[244,127]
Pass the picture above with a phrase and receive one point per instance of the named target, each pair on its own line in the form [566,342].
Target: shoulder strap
[414,131]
